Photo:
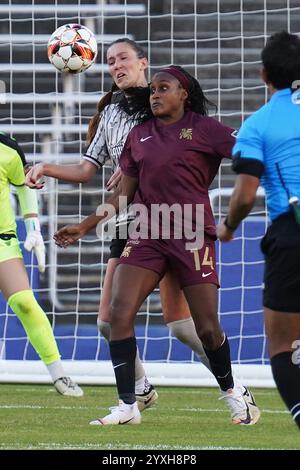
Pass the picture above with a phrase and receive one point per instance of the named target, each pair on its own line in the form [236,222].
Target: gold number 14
[205,262]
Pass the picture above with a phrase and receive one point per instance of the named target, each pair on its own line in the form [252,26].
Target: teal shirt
[272,136]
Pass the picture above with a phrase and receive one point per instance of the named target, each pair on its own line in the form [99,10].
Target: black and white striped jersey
[112,132]
[114,127]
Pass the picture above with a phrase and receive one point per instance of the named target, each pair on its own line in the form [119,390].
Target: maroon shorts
[191,267]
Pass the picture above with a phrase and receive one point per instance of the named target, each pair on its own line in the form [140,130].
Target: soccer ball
[72,48]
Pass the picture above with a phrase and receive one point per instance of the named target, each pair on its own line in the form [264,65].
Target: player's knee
[22,302]
[209,335]
[278,344]
[118,308]
[104,328]
[121,319]
[103,315]
[178,331]
[118,320]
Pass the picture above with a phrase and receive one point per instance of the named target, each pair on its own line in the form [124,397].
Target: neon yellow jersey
[12,161]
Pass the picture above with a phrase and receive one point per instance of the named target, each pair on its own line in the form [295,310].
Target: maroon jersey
[176,163]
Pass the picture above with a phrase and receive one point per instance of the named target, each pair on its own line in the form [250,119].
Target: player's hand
[34,175]
[27,168]
[224,234]
[115,179]
[68,235]
[34,241]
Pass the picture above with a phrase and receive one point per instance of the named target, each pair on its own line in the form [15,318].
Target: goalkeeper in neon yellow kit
[14,282]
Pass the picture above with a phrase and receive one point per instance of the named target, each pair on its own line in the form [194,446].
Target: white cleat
[253,408]
[122,414]
[242,406]
[146,399]
[65,386]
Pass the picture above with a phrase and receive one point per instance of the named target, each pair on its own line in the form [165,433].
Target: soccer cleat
[242,406]
[65,386]
[122,414]
[253,408]
[146,399]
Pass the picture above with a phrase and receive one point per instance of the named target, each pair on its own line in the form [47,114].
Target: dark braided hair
[196,100]
[107,98]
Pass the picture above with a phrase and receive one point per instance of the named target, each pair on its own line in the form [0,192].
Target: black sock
[220,365]
[123,354]
[287,378]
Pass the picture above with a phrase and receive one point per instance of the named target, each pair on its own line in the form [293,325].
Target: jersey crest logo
[186,134]
[126,251]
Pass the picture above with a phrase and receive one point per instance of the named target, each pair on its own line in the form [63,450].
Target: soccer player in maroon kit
[170,159]
[117,113]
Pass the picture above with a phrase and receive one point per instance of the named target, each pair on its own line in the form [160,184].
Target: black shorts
[281,249]
[117,245]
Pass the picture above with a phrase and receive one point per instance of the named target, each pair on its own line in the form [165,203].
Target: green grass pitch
[36,417]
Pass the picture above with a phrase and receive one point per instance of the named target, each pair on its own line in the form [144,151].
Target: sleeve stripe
[93,160]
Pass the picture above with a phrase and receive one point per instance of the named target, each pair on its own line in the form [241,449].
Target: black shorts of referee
[281,249]
[118,243]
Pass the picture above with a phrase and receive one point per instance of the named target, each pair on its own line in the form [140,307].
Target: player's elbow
[84,175]
[86,171]
[84,178]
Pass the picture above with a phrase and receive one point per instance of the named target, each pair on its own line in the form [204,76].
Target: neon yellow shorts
[9,249]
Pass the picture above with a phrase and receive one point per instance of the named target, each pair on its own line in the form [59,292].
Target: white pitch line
[127,446]
[194,391]
[39,407]
[191,410]
[167,391]
[218,410]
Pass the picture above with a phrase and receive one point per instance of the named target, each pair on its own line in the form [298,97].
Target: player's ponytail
[197,100]
[94,122]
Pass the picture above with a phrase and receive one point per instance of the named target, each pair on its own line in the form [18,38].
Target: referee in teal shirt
[267,151]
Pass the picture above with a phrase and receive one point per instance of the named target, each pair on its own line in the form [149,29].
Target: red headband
[181,77]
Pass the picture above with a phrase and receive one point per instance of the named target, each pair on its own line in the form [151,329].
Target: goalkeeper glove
[34,240]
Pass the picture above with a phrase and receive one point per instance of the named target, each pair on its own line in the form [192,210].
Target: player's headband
[181,77]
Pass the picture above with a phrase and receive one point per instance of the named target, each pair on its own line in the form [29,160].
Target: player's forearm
[89,223]
[72,173]
[117,201]
[240,206]
[28,201]
[242,199]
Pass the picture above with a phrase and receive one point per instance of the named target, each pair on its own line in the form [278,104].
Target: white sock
[185,331]
[56,370]
[238,385]
[140,385]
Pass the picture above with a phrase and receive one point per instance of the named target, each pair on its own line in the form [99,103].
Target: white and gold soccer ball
[72,48]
